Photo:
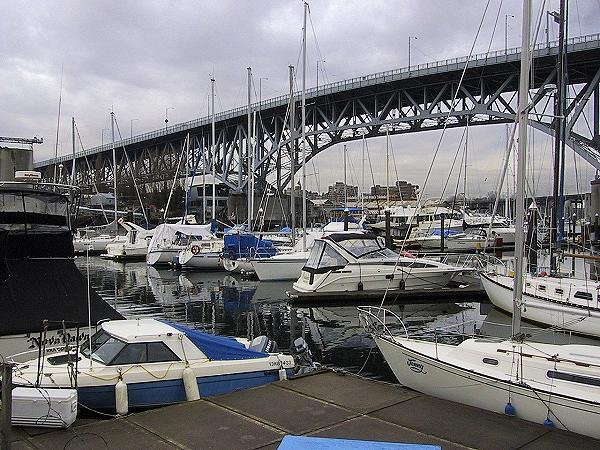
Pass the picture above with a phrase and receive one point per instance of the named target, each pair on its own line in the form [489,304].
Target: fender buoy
[195,249]
[231,254]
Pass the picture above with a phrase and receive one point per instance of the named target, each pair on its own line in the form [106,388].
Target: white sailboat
[558,385]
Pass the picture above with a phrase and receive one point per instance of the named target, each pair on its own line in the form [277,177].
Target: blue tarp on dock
[314,443]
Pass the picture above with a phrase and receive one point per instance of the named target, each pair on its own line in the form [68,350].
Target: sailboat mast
[114,157]
[465,168]
[304,129]
[387,166]
[214,150]
[521,162]
[203,180]
[292,156]
[345,180]
[73,136]
[248,150]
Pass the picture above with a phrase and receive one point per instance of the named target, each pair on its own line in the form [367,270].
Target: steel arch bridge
[407,100]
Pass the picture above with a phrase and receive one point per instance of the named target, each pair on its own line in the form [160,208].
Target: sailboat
[558,385]
[553,299]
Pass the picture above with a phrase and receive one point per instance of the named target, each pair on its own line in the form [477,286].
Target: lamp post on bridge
[409,38]
[506,16]
[260,89]
[102,136]
[131,127]
[322,61]
[167,116]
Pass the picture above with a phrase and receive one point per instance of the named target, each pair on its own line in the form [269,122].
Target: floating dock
[321,405]
[446,294]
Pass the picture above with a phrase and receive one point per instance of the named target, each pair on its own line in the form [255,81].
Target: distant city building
[403,190]
[336,193]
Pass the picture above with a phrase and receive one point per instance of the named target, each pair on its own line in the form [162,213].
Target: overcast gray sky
[143,57]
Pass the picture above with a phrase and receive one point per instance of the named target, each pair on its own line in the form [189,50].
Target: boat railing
[377,320]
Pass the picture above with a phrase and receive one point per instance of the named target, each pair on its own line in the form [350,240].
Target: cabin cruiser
[239,247]
[169,239]
[353,262]
[146,362]
[133,247]
[43,295]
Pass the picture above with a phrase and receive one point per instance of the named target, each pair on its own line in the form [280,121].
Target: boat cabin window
[541,287]
[104,347]
[144,352]
[581,379]
[491,361]
[559,291]
[583,295]
[324,257]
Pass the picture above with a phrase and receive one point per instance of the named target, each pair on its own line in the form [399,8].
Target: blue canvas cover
[217,347]
[243,245]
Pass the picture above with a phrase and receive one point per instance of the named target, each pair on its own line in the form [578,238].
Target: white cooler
[41,407]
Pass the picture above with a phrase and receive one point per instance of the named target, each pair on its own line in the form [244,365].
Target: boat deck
[321,405]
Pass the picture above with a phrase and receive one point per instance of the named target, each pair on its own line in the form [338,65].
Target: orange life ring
[195,249]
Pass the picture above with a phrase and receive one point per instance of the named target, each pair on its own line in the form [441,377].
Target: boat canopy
[217,347]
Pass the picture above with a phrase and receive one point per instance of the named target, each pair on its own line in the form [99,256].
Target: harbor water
[225,304]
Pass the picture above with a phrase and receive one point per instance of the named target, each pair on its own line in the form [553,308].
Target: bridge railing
[337,86]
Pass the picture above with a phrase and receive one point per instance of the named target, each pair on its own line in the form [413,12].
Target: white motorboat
[567,303]
[133,246]
[545,383]
[145,362]
[95,244]
[352,262]
[202,254]
[170,239]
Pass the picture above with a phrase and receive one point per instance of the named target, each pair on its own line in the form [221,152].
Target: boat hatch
[581,379]
[323,258]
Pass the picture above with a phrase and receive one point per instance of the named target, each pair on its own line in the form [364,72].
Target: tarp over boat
[217,347]
[34,290]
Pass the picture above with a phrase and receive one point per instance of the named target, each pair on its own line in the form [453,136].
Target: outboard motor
[263,344]
[303,358]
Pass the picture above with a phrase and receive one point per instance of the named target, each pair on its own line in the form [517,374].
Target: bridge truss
[409,100]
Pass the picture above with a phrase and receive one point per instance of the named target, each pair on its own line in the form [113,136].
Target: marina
[209,282]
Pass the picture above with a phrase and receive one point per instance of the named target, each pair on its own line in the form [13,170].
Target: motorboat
[43,295]
[96,239]
[133,247]
[146,362]
[354,262]
[562,302]
[169,239]
[203,254]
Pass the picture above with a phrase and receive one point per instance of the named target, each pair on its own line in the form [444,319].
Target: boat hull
[205,261]
[279,268]
[165,392]
[431,376]
[550,313]
[162,256]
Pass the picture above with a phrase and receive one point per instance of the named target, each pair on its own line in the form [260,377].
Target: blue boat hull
[165,392]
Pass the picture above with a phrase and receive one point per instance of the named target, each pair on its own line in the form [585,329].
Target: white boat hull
[551,313]
[24,347]
[206,261]
[280,267]
[162,256]
[437,378]
[242,265]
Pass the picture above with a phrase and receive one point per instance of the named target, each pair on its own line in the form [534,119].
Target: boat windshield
[104,347]
[324,257]
[33,210]
[366,248]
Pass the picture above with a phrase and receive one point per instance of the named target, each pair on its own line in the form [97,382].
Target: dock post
[442,233]
[6,412]
[346,213]
[388,231]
